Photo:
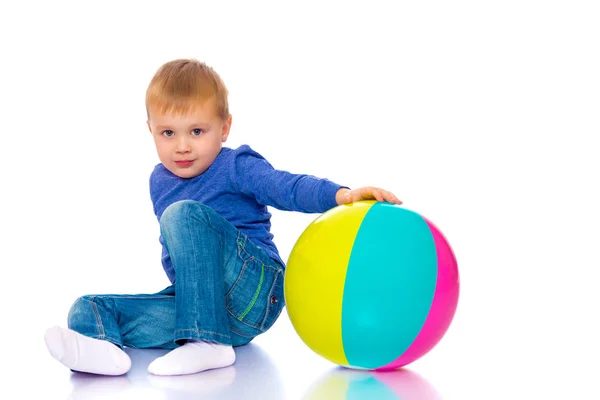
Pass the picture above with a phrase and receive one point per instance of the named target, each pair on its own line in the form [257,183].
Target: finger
[391,197]
[377,193]
[388,196]
[395,200]
[348,198]
[369,193]
[362,194]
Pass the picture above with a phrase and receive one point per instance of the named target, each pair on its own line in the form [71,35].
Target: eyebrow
[165,127]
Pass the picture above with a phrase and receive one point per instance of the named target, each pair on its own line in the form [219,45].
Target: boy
[211,202]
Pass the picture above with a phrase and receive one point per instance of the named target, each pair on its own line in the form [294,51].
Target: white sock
[192,357]
[86,354]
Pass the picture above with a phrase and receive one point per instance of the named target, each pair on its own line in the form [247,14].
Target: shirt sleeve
[255,176]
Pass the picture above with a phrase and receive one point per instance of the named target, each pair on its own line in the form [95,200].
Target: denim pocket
[256,297]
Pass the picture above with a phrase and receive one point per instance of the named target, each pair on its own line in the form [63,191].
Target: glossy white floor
[277,367]
[482,116]
[486,354]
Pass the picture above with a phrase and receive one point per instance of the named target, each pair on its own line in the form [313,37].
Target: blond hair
[180,85]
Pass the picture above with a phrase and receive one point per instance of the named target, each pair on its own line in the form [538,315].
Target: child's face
[188,144]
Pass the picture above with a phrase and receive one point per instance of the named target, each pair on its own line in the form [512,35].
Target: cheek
[206,146]
[218,139]
[162,148]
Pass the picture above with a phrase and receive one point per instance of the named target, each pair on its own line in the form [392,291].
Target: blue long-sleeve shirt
[239,185]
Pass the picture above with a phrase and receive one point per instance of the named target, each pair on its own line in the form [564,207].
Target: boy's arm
[255,176]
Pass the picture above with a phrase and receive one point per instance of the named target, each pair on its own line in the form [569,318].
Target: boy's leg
[198,249]
[100,325]
[205,250]
[227,291]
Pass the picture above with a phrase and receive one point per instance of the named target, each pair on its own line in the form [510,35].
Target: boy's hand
[346,196]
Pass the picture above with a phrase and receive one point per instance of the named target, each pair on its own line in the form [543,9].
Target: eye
[197,132]
[168,133]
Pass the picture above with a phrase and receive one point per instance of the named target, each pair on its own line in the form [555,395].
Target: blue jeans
[226,290]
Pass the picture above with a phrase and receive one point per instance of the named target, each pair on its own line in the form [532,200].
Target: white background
[482,116]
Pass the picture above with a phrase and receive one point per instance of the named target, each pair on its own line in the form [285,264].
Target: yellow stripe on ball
[315,276]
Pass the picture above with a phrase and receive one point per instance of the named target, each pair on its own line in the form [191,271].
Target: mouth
[184,163]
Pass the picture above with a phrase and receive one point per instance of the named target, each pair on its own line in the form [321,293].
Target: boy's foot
[192,357]
[86,354]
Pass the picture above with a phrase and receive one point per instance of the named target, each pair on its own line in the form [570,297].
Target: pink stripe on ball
[445,300]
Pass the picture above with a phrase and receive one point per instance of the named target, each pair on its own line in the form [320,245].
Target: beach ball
[371,285]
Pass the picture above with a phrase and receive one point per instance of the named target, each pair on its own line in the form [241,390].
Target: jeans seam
[237,241]
[256,293]
[108,339]
[241,245]
[243,334]
[99,325]
[203,210]
[123,296]
[271,290]
[239,277]
[202,331]
[191,236]
[255,326]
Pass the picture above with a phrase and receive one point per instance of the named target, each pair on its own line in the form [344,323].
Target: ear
[225,129]
[149,127]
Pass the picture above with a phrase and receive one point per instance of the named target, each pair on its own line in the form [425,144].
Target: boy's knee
[80,308]
[180,210]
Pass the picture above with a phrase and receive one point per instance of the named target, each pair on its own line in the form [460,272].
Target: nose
[182,145]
